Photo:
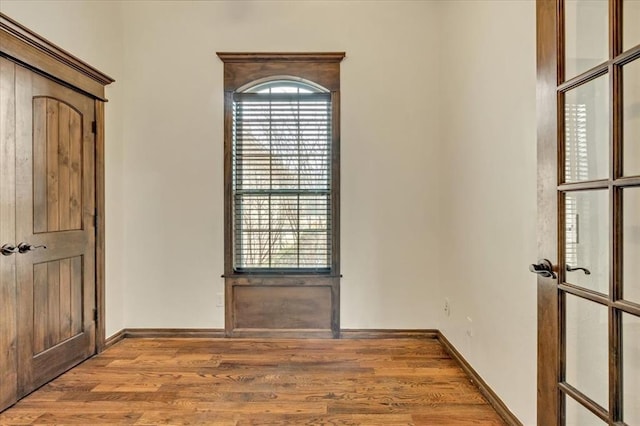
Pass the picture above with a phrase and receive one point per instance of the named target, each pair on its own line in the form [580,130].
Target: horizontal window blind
[282,181]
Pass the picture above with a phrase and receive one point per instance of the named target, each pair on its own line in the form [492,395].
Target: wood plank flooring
[261,382]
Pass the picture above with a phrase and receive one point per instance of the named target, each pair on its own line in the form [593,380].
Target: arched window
[281,176]
[282,194]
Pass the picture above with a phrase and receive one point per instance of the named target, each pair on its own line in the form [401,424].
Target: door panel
[577,415]
[8,324]
[57,296]
[630,27]
[586,358]
[631,244]
[631,117]
[586,124]
[55,208]
[587,239]
[631,368]
[588,228]
[57,157]
[586,29]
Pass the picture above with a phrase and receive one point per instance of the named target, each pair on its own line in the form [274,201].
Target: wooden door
[589,212]
[8,321]
[55,202]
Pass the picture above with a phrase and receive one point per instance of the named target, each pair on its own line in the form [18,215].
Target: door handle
[8,249]
[544,268]
[572,269]
[26,247]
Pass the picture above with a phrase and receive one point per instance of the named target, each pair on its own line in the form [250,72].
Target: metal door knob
[8,249]
[544,268]
[26,247]
[578,268]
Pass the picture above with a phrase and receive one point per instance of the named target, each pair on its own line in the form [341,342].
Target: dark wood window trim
[240,70]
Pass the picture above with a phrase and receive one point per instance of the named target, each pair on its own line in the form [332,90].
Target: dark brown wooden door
[54,209]
[589,212]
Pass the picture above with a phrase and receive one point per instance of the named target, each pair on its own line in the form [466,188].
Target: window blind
[281,148]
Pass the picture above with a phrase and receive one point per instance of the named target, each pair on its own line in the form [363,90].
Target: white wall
[438,161]
[489,202]
[173,156]
[92,31]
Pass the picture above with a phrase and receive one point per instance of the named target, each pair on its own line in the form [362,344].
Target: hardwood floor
[261,382]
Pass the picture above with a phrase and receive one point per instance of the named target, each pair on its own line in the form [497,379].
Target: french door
[589,212]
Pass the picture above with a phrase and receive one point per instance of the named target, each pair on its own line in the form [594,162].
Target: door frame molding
[32,51]
[40,55]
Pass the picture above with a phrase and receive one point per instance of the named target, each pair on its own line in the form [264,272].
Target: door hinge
[95,220]
[94,127]
[95,315]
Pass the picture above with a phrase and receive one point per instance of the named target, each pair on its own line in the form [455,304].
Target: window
[282,186]
[282,163]
[282,194]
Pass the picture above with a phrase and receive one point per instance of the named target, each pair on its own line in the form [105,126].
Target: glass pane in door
[587,361]
[577,415]
[586,35]
[631,116]
[631,244]
[631,368]
[586,131]
[587,239]
[630,26]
